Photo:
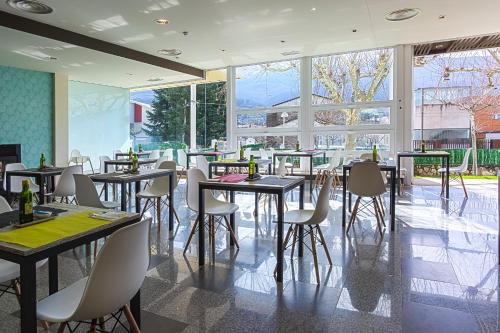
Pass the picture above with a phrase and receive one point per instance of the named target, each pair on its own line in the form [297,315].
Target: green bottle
[42,161]
[216,148]
[140,148]
[251,168]
[26,204]
[135,163]
[374,156]
[422,146]
[242,154]
[297,146]
[130,154]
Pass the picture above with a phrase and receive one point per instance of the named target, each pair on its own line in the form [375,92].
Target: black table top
[34,172]
[142,153]
[237,163]
[264,184]
[121,177]
[431,153]
[129,162]
[303,153]
[384,166]
[210,153]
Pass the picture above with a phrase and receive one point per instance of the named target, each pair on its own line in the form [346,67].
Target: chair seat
[110,204]
[59,307]
[220,208]
[150,193]
[452,169]
[321,167]
[10,270]
[180,168]
[299,216]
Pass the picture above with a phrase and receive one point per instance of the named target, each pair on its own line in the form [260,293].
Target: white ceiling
[248,31]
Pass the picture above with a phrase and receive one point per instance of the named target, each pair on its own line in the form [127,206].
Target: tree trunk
[473,136]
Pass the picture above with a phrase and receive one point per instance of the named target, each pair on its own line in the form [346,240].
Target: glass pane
[269,141]
[268,120]
[352,141]
[210,113]
[367,116]
[268,85]
[353,77]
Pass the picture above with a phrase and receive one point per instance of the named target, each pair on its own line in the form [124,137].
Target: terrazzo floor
[438,272]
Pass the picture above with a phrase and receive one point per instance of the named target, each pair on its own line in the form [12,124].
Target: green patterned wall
[27,112]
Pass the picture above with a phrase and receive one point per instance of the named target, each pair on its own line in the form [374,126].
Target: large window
[352,93]
[210,113]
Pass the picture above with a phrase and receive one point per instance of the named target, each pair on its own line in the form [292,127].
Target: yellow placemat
[48,232]
[228,160]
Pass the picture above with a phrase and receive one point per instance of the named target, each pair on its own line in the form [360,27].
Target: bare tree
[470,80]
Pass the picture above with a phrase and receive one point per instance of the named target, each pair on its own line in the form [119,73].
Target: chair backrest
[161,184]
[118,272]
[202,164]
[263,154]
[85,192]
[117,152]
[194,176]
[102,159]
[4,205]
[181,158]
[282,167]
[16,182]
[247,153]
[169,154]
[155,153]
[75,153]
[365,179]
[66,185]
[369,156]
[465,162]
[322,203]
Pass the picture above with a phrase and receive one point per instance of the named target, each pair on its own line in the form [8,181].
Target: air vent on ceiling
[30,6]
[402,14]
[170,52]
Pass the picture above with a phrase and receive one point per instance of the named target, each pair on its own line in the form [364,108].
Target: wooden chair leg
[315,256]
[158,213]
[294,240]
[353,214]
[131,320]
[381,205]
[193,230]
[176,216]
[93,324]
[231,232]
[95,249]
[61,328]
[212,226]
[325,246]
[379,224]
[145,207]
[463,184]
[17,289]
[379,211]
[102,324]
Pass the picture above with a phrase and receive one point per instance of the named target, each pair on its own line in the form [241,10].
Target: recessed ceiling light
[439,46]
[402,14]
[441,17]
[313,9]
[282,41]
[170,52]
[30,6]
[223,50]
[290,53]
[354,30]
[161,21]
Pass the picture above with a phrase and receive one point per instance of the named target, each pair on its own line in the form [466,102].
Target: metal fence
[457,144]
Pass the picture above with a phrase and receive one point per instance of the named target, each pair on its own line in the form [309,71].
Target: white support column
[192,118]
[305,116]
[404,97]
[61,120]
[231,107]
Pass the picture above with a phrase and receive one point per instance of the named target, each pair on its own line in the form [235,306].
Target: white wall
[98,119]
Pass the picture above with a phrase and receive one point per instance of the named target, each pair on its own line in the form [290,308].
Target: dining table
[268,184]
[209,153]
[28,256]
[234,163]
[42,175]
[139,154]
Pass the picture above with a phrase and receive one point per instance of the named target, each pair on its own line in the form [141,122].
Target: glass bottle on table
[135,163]
[42,161]
[422,146]
[130,154]
[140,148]
[297,146]
[251,168]
[374,154]
[242,154]
[216,146]
[26,203]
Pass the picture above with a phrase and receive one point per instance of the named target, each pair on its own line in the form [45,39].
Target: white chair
[263,154]
[181,160]
[155,154]
[16,182]
[9,271]
[288,165]
[456,172]
[263,197]
[115,156]
[325,170]
[310,219]
[215,209]
[157,189]
[65,187]
[202,164]
[247,153]
[169,154]
[86,193]
[160,161]
[365,181]
[102,159]
[115,277]
[77,158]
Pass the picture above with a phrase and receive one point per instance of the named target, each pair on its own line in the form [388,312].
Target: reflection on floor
[437,273]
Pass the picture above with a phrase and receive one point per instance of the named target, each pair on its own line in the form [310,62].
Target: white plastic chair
[247,153]
[86,193]
[66,185]
[215,209]
[16,182]
[288,165]
[115,152]
[102,159]
[181,160]
[202,164]
[157,189]
[310,218]
[77,158]
[9,271]
[115,277]
[155,154]
[365,181]
[457,172]
[169,154]
[263,154]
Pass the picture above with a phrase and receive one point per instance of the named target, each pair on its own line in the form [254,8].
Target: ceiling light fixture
[170,52]
[402,14]
[354,30]
[441,17]
[30,6]
[313,9]
[282,41]
[161,21]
